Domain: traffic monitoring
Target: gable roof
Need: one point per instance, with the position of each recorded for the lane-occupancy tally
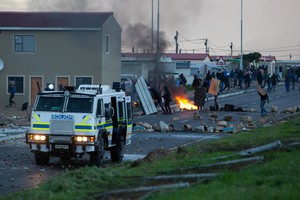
(52, 20)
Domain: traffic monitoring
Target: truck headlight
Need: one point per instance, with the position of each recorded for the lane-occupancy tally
(81, 139)
(84, 138)
(36, 137)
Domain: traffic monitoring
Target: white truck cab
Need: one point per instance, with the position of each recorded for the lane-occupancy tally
(91, 120)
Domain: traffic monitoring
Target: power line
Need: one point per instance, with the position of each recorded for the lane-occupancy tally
(228, 45)
(191, 41)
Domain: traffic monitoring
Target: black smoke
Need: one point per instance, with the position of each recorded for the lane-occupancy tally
(135, 17)
(139, 36)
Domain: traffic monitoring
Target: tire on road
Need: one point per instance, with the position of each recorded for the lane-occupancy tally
(96, 157)
(117, 152)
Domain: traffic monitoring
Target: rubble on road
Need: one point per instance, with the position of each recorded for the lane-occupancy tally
(13, 123)
(274, 109)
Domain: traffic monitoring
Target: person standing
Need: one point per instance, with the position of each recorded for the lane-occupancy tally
(208, 78)
(260, 77)
(196, 82)
(183, 80)
(274, 81)
(287, 82)
(200, 95)
(167, 100)
(292, 78)
(12, 91)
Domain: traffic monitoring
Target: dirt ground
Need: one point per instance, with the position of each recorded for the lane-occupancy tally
(13, 116)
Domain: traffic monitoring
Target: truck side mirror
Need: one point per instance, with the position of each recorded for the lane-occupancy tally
(109, 112)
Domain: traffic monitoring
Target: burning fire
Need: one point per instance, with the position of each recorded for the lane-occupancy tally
(184, 103)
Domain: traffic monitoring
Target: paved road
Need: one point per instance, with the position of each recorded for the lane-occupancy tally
(18, 170)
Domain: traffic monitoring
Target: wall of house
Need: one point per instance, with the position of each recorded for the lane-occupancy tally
(58, 53)
(111, 61)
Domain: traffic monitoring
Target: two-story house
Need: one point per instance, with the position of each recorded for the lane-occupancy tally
(63, 48)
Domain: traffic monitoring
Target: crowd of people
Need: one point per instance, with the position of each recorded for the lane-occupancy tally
(236, 78)
(243, 79)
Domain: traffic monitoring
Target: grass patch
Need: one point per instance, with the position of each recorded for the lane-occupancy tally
(278, 177)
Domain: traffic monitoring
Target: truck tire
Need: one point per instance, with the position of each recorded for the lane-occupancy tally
(117, 152)
(96, 158)
(41, 158)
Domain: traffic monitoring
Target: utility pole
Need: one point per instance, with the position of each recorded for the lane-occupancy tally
(176, 41)
(241, 60)
(206, 49)
(152, 28)
(231, 46)
(157, 40)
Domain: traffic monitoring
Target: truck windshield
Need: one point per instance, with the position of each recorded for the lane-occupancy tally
(46, 103)
(80, 105)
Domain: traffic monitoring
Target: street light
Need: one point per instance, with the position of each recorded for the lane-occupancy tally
(241, 60)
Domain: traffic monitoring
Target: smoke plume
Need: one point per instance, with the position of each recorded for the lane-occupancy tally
(134, 16)
(139, 35)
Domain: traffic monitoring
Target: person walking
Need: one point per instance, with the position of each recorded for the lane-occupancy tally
(12, 91)
(263, 99)
(240, 78)
(167, 100)
(226, 81)
(269, 82)
(157, 97)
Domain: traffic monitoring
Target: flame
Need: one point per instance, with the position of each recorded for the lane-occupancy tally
(184, 103)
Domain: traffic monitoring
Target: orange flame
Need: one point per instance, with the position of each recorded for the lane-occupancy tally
(184, 103)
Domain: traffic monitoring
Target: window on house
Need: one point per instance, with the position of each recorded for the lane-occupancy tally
(83, 80)
(18, 81)
(24, 43)
(107, 44)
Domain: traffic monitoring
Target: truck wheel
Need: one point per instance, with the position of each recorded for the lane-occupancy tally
(96, 157)
(117, 152)
(41, 158)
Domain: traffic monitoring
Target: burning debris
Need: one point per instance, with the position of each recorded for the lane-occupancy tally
(186, 104)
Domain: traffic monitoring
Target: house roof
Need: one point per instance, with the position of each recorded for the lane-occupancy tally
(217, 57)
(187, 56)
(173, 56)
(267, 58)
(42, 20)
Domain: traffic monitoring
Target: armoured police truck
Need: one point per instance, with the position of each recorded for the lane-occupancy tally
(71, 123)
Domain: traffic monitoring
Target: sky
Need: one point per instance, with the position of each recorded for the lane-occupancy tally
(270, 27)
